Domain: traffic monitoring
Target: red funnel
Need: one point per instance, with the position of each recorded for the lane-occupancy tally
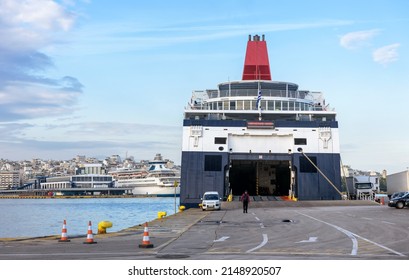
(256, 64)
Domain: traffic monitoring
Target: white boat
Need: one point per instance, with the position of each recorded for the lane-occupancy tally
(158, 180)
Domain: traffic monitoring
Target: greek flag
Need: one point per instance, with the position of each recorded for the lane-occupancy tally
(258, 105)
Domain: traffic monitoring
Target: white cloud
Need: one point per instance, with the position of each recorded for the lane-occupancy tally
(124, 36)
(386, 54)
(32, 100)
(63, 141)
(31, 24)
(358, 39)
(38, 14)
(25, 92)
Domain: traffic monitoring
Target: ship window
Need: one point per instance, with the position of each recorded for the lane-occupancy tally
(278, 105)
(306, 166)
(232, 105)
(270, 105)
(285, 105)
(297, 106)
(213, 163)
(220, 140)
(247, 105)
(226, 105)
(263, 104)
(239, 104)
(291, 103)
(300, 141)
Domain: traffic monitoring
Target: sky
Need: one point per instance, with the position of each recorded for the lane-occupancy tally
(101, 78)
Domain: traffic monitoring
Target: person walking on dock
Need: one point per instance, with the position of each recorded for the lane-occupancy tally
(245, 198)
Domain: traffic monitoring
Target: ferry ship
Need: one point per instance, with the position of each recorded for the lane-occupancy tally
(158, 180)
(264, 136)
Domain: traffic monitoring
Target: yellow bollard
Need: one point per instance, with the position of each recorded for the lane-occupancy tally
(161, 214)
(103, 225)
(182, 208)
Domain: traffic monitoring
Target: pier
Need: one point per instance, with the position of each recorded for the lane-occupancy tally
(283, 230)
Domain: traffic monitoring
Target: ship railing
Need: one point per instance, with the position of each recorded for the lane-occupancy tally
(254, 92)
(289, 106)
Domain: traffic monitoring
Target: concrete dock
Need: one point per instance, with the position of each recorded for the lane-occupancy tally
(286, 230)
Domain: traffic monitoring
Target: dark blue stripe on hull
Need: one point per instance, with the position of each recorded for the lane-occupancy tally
(309, 184)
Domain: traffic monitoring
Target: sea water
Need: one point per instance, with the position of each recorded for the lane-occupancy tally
(45, 217)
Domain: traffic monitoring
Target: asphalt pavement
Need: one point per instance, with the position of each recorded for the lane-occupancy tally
(283, 230)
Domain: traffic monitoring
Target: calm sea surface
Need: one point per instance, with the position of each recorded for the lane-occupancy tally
(44, 217)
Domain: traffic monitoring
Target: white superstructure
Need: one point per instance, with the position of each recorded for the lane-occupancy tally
(157, 180)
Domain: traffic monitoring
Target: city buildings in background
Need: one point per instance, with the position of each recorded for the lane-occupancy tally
(16, 174)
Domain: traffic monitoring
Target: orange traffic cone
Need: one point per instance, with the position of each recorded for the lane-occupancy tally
(90, 236)
(64, 236)
(145, 240)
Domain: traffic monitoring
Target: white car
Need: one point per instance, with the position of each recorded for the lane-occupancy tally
(211, 200)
